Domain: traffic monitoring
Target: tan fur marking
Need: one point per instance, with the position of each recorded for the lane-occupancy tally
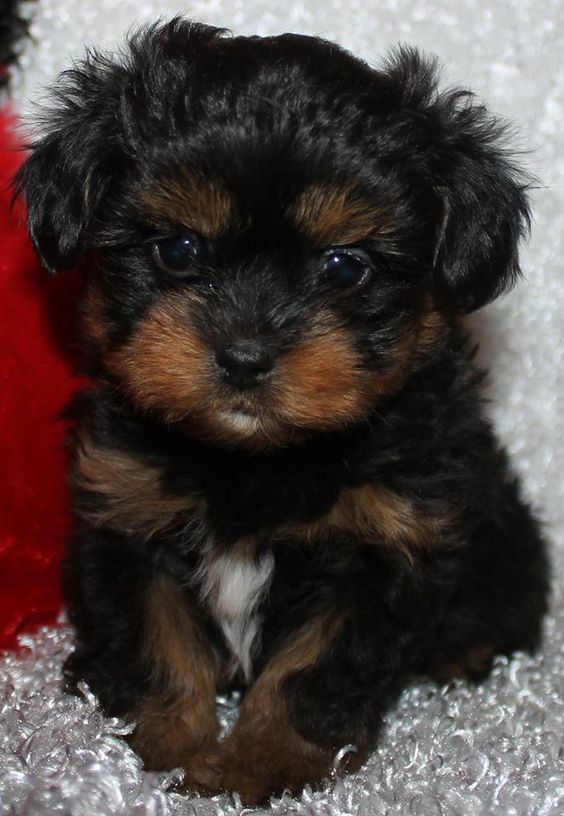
(323, 384)
(134, 500)
(172, 728)
(333, 216)
(419, 339)
(201, 204)
(433, 325)
(93, 317)
(166, 365)
(374, 510)
(174, 644)
(265, 754)
(320, 383)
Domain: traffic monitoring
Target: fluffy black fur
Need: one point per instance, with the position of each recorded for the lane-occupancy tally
(270, 118)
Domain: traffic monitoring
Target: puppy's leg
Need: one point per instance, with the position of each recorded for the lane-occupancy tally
(500, 592)
(325, 689)
(266, 753)
(143, 650)
(176, 720)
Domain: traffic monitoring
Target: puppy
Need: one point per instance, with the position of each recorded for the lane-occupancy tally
(284, 479)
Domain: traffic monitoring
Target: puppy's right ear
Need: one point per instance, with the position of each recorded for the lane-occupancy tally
(68, 171)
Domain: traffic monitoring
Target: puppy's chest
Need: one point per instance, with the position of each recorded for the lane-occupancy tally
(232, 585)
(136, 497)
(217, 522)
(249, 505)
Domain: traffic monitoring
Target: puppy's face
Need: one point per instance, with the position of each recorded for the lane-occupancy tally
(258, 299)
(281, 230)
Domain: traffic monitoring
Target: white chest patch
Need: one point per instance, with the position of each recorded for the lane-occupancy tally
(233, 587)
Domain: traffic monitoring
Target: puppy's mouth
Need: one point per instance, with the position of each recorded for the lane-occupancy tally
(242, 421)
(252, 421)
(241, 412)
(245, 415)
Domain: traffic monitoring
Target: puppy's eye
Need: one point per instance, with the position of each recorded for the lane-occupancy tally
(176, 255)
(343, 270)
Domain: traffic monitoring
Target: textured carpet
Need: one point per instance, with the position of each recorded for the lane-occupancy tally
(456, 751)
(497, 749)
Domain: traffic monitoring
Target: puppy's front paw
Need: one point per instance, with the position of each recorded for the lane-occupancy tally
(258, 771)
(204, 773)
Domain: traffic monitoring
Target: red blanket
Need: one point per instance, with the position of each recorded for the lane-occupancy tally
(36, 382)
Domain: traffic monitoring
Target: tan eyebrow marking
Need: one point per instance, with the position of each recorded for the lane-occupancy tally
(202, 204)
(337, 215)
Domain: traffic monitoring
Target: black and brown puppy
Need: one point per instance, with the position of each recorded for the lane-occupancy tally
(284, 477)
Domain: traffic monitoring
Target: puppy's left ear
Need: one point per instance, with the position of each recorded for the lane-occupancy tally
(484, 206)
(69, 168)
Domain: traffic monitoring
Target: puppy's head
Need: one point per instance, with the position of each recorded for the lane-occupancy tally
(280, 230)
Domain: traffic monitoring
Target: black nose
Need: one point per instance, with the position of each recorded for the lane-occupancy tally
(244, 363)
